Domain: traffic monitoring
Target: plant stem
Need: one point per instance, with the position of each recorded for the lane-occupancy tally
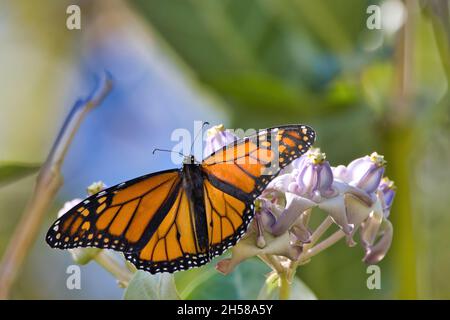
(308, 254)
(400, 145)
(321, 229)
(317, 234)
(285, 286)
(47, 185)
(110, 264)
(272, 262)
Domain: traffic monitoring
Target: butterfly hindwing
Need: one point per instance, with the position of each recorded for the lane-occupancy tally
(228, 214)
(174, 245)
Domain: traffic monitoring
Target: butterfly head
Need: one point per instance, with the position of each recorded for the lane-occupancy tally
(190, 159)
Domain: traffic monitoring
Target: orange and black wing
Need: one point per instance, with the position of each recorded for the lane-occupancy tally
(174, 245)
(236, 174)
(122, 217)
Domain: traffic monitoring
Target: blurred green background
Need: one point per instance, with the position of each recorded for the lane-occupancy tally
(247, 64)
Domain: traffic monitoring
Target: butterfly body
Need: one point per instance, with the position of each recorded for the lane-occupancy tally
(193, 184)
(181, 218)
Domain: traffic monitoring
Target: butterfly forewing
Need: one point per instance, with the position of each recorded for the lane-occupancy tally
(236, 174)
(117, 217)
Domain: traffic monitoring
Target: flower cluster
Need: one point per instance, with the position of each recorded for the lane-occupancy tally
(356, 198)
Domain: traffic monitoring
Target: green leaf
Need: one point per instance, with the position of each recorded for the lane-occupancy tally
(299, 291)
(243, 283)
(145, 286)
(377, 82)
(11, 171)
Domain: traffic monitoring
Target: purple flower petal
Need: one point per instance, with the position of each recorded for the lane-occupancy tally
(336, 208)
(341, 173)
(280, 183)
(295, 206)
(376, 253)
(315, 177)
(217, 138)
(387, 189)
(366, 173)
(369, 228)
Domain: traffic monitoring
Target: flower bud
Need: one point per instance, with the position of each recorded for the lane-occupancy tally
(217, 138)
(366, 173)
(315, 177)
(96, 187)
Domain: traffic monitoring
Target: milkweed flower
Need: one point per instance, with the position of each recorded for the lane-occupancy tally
(216, 138)
(313, 177)
(356, 198)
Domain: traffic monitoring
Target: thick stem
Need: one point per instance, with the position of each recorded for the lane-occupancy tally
(110, 264)
(399, 147)
(285, 286)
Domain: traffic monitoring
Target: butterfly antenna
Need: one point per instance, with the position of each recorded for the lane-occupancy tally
(166, 150)
(206, 123)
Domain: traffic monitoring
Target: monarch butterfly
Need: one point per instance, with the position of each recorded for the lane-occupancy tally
(181, 218)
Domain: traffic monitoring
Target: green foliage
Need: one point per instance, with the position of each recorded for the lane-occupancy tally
(145, 286)
(13, 171)
(243, 283)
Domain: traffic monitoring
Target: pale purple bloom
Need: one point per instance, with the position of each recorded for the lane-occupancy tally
(314, 178)
(364, 173)
(217, 137)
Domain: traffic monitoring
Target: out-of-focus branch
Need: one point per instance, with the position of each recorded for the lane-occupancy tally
(398, 139)
(439, 16)
(47, 185)
(438, 11)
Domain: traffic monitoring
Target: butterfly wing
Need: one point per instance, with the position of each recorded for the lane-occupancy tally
(236, 174)
(174, 245)
(122, 217)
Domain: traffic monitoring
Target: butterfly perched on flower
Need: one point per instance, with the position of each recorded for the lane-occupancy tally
(181, 218)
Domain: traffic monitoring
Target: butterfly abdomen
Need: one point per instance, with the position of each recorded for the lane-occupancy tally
(193, 184)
